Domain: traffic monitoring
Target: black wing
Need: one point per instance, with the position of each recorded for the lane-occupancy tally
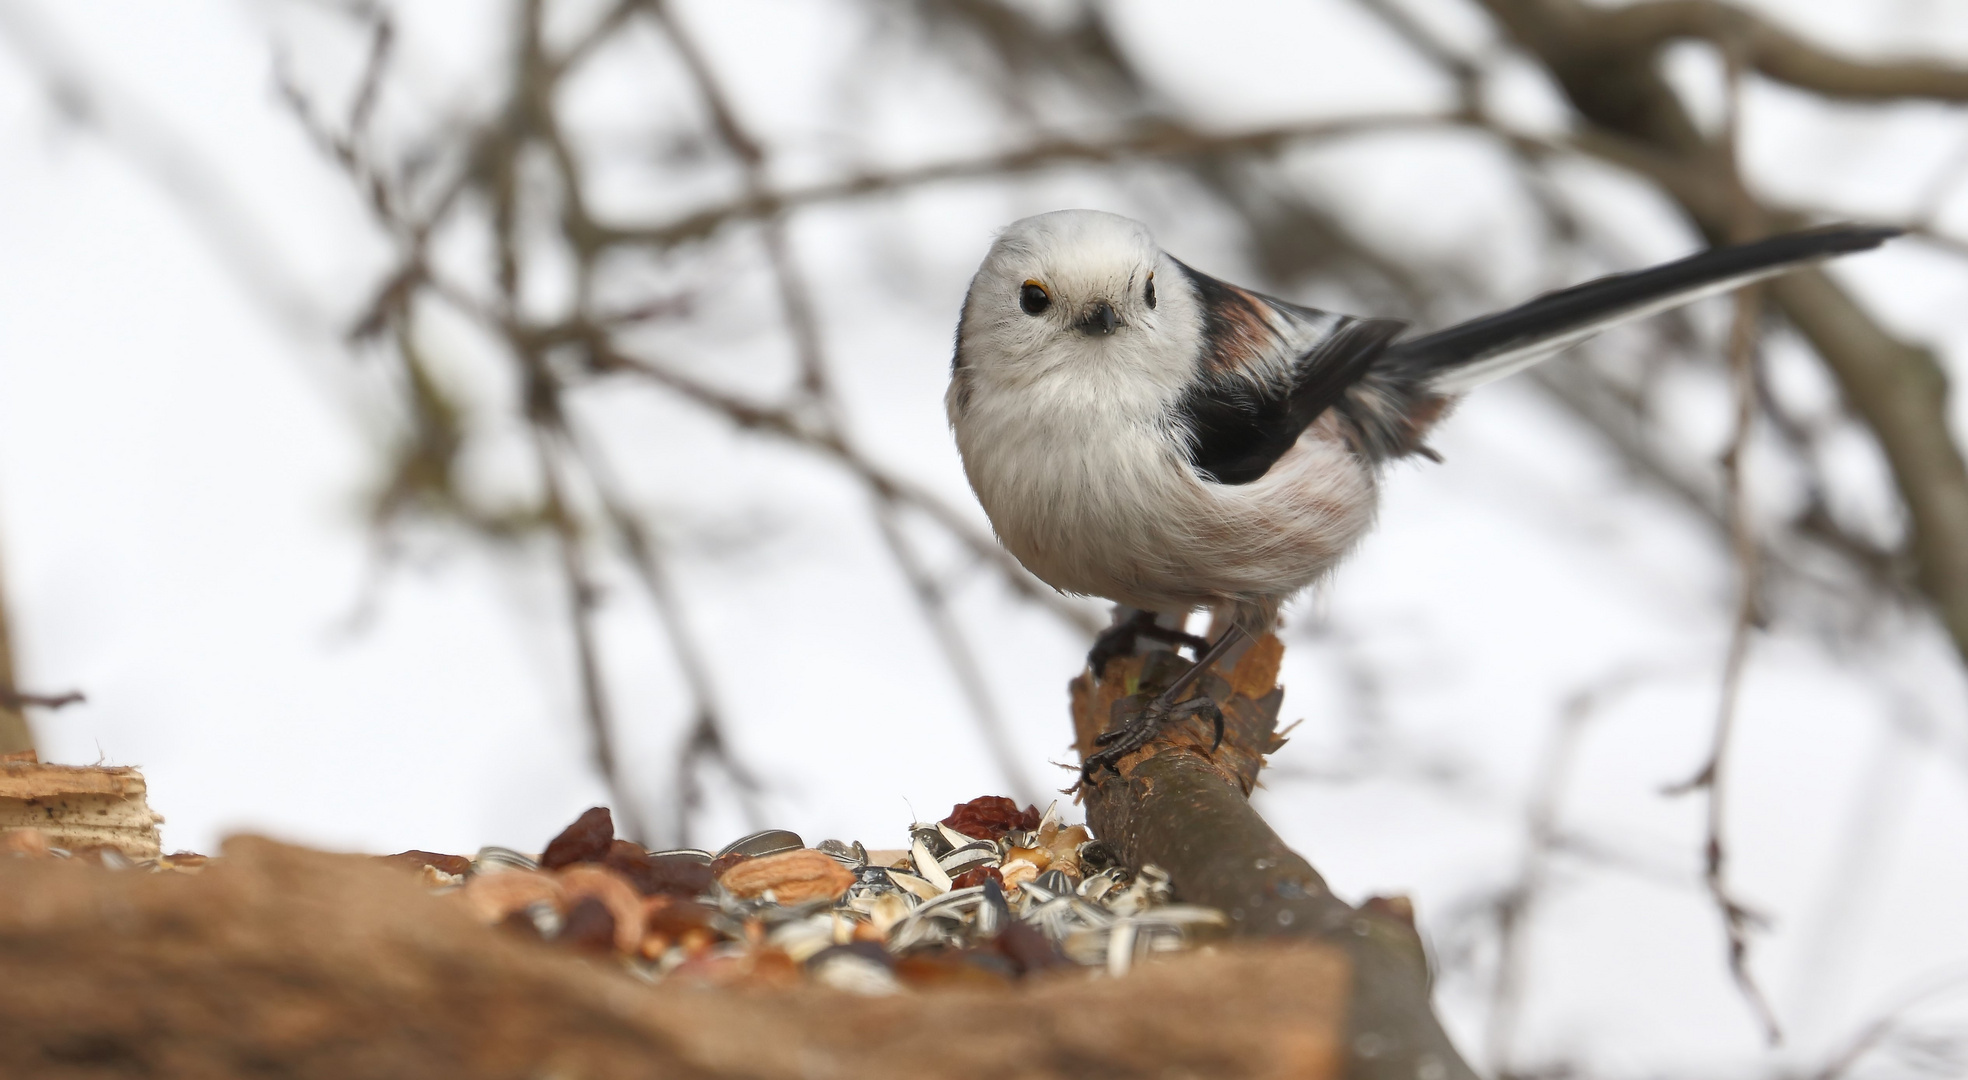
(1271, 368)
(1268, 370)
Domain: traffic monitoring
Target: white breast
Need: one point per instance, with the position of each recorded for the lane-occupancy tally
(1084, 482)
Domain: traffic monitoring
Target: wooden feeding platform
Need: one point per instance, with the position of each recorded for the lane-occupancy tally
(1181, 939)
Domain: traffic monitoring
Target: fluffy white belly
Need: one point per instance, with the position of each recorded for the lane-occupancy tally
(1129, 520)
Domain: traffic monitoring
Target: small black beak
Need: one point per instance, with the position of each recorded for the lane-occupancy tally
(1100, 321)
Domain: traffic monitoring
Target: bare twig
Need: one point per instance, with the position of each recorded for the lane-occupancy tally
(706, 739)
(18, 699)
(582, 602)
(817, 399)
(1160, 140)
(1543, 839)
(1710, 779)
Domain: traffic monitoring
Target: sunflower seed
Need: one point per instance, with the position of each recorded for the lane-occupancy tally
(764, 842)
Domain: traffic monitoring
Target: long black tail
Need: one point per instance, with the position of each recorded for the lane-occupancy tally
(1465, 356)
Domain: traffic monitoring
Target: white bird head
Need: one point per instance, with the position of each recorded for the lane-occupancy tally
(1080, 295)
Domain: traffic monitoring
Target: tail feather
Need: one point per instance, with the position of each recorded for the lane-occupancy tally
(1465, 356)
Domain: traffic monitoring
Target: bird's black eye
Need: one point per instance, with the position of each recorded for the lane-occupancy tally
(1150, 294)
(1033, 298)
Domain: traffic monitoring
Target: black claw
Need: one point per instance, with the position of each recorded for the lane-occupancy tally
(1123, 741)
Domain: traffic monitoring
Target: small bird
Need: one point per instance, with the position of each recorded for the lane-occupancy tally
(1140, 431)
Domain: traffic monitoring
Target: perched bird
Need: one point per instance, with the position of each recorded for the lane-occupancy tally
(1140, 431)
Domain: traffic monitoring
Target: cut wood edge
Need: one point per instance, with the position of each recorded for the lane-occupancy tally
(79, 806)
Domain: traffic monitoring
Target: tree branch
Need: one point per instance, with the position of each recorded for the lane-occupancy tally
(1899, 390)
(1159, 140)
(1182, 805)
(1778, 53)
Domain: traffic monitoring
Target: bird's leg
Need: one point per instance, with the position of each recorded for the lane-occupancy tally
(1155, 631)
(1146, 723)
(1121, 638)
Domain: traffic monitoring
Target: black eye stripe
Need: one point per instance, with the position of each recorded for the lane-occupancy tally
(1032, 298)
(1150, 294)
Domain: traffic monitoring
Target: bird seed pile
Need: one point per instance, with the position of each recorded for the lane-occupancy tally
(989, 894)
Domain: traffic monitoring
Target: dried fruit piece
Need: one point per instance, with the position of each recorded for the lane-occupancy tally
(590, 927)
(1028, 949)
(624, 904)
(677, 919)
(676, 875)
(586, 840)
(990, 817)
(523, 924)
(725, 862)
(977, 876)
(416, 860)
(793, 877)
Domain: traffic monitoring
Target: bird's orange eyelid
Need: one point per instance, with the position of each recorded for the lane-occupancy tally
(1039, 285)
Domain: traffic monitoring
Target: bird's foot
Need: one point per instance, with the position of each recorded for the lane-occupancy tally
(1140, 730)
(1121, 639)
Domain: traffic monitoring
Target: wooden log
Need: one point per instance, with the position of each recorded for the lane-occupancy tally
(275, 961)
(78, 806)
(1179, 805)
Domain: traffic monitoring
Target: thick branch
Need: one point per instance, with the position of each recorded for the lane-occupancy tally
(1779, 54)
(1902, 393)
(1183, 807)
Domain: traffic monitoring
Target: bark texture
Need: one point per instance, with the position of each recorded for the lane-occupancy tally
(1179, 805)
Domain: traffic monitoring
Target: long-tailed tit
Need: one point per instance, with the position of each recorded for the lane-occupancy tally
(1140, 431)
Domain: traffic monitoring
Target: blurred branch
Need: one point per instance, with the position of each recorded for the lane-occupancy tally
(1635, 120)
(1710, 779)
(1773, 51)
(817, 389)
(1543, 839)
(1157, 139)
(705, 739)
(884, 484)
(583, 600)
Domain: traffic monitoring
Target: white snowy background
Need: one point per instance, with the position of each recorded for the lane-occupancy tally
(183, 455)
